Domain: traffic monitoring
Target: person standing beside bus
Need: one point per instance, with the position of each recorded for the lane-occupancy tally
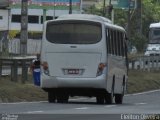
(35, 68)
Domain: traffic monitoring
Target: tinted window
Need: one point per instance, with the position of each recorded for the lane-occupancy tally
(1, 17)
(33, 19)
(71, 32)
(16, 18)
(47, 18)
(155, 35)
(118, 43)
(115, 42)
(109, 49)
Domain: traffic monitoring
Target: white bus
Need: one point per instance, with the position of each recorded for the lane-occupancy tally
(83, 55)
(153, 47)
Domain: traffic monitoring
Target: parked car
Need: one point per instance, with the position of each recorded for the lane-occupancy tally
(152, 50)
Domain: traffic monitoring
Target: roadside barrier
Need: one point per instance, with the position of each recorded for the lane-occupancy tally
(14, 63)
(145, 63)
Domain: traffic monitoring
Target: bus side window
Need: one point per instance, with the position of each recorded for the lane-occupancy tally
(116, 44)
(119, 43)
(113, 42)
(107, 39)
(109, 44)
(126, 48)
(123, 44)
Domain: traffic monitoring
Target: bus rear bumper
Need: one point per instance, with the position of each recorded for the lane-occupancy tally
(59, 82)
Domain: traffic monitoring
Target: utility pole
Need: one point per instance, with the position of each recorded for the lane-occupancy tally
(24, 27)
(70, 6)
(139, 16)
(54, 10)
(128, 24)
(24, 36)
(110, 11)
(44, 15)
(104, 7)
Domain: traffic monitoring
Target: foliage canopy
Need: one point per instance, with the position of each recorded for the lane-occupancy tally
(150, 13)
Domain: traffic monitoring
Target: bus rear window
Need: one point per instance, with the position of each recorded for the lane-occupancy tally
(73, 32)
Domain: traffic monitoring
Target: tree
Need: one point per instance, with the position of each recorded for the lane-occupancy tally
(150, 14)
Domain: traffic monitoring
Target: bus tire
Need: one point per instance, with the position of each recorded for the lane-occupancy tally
(51, 97)
(118, 98)
(100, 99)
(109, 96)
(62, 99)
(62, 96)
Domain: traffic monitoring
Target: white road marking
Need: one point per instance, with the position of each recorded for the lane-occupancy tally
(32, 112)
(82, 108)
(109, 106)
(15, 103)
(84, 98)
(143, 92)
(140, 103)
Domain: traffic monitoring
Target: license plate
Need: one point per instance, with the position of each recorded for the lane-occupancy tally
(73, 71)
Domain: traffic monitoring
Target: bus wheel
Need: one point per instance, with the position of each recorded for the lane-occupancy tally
(100, 99)
(62, 99)
(62, 96)
(109, 98)
(118, 98)
(51, 97)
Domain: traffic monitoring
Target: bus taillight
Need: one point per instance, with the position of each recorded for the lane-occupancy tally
(101, 68)
(45, 67)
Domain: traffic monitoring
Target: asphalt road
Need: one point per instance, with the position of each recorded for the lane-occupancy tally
(135, 106)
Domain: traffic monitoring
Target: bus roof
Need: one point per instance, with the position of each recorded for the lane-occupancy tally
(155, 25)
(89, 17)
(86, 17)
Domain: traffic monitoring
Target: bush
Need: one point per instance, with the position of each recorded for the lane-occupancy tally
(13, 34)
(139, 41)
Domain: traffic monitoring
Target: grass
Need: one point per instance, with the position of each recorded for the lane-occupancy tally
(17, 92)
(138, 81)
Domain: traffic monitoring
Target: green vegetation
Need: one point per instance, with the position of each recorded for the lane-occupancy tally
(31, 34)
(150, 14)
(13, 34)
(138, 37)
(140, 81)
(15, 92)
